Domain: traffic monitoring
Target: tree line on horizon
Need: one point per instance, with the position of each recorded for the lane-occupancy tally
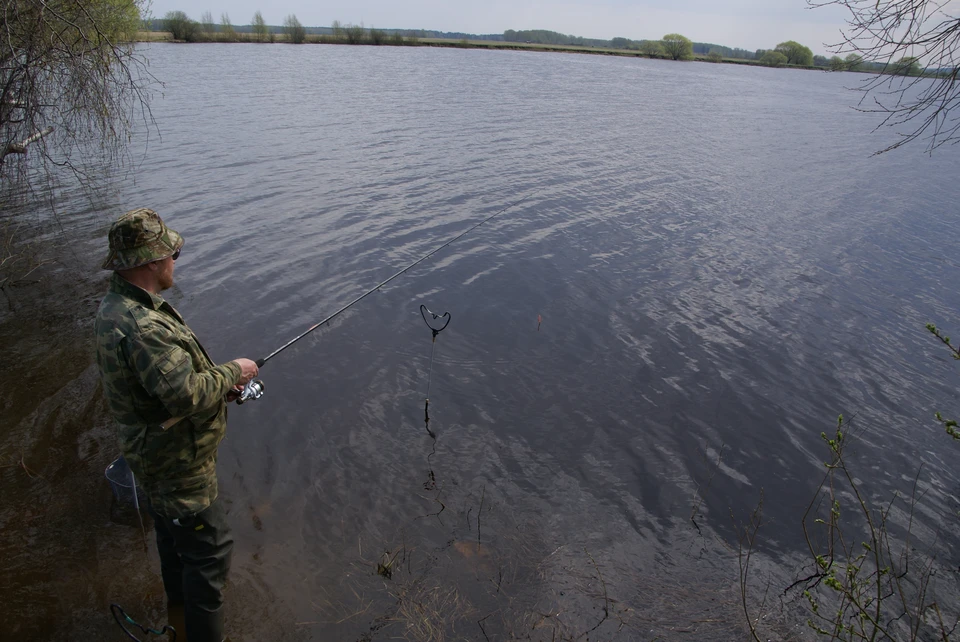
(182, 27)
(678, 47)
(672, 46)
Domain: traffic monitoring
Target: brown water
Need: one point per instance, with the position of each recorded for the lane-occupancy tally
(719, 266)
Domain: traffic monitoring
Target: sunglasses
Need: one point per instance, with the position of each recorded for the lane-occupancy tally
(175, 255)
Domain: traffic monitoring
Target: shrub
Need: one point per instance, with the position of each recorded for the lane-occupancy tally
(377, 36)
(181, 26)
(652, 48)
(259, 27)
(227, 32)
(354, 34)
(677, 47)
(773, 59)
(296, 34)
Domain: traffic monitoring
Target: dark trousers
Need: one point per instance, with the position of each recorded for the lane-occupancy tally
(195, 556)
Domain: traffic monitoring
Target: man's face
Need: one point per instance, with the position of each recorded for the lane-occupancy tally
(165, 273)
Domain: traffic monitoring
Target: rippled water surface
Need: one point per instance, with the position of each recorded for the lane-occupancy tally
(720, 266)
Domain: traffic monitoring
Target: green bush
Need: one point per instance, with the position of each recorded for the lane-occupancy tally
(677, 47)
(795, 53)
(377, 36)
(773, 59)
(354, 34)
(295, 31)
(181, 26)
(652, 48)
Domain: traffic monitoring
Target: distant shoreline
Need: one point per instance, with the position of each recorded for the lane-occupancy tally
(163, 36)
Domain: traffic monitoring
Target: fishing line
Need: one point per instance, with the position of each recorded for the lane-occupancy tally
(254, 389)
(136, 505)
(431, 483)
(437, 318)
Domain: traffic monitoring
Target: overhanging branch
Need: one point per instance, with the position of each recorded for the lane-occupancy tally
(21, 147)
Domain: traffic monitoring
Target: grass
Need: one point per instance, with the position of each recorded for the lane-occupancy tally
(154, 36)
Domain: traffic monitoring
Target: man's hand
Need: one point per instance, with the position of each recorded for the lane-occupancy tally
(234, 393)
(248, 370)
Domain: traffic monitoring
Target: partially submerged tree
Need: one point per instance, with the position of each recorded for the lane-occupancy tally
(887, 31)
(677, 47)
(71, 85)
(69, 77)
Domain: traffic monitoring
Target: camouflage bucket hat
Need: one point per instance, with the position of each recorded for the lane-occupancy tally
(140, 237)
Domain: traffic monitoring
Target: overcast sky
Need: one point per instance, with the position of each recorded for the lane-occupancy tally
(750, 24)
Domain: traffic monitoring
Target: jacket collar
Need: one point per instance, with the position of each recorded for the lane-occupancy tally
(121, 286)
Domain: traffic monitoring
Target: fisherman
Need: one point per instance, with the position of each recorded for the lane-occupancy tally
(170, 402)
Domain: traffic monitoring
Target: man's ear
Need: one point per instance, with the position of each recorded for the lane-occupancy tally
(153, 266)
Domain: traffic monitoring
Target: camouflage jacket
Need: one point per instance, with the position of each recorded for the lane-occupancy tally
(153, 368)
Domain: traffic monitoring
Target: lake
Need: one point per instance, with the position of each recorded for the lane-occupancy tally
(703, 266)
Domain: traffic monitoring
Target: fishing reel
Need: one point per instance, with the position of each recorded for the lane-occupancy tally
(251, 392)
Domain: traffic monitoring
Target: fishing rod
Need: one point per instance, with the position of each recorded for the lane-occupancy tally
(254, 389)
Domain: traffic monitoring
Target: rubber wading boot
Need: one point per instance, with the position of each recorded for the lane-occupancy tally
(175, 618)
(204, 626)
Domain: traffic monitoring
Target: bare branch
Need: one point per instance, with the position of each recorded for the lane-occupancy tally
(68, 71)
(913, 45)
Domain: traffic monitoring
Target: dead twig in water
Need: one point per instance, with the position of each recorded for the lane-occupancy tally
(749, 535)
(480, 624)
(20, 463)
(436, 499)
(341, 613)
(483, 494)
(699, 496)
(606, 598)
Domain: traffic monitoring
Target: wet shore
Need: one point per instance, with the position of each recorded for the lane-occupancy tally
(69, 549)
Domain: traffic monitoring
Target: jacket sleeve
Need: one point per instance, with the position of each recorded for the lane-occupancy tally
(166, 372)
